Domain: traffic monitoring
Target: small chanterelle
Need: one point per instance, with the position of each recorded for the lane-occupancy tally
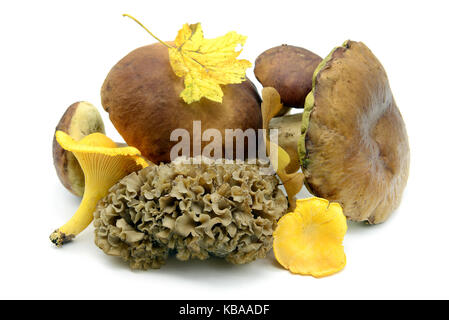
(225, 309)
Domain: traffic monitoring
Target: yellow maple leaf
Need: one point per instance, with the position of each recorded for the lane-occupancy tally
(205, 64)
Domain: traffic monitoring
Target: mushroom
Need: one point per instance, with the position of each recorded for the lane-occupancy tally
(280, 159)
(141, 95)
(194, 209)
(309, 240)
(103, 164)
(289, 132)
(289, 70)
(78, 121)
(353, 144)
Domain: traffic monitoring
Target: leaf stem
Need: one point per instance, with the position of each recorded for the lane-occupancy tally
(140, 24)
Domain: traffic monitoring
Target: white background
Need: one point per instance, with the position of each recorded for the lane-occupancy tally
(53, 53)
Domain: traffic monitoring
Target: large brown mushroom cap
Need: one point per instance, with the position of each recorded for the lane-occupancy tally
(354, 146)
(141, 95)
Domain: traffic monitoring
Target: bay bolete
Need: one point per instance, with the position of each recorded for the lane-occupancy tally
(353, 144)
(141, 93)
(288, 69)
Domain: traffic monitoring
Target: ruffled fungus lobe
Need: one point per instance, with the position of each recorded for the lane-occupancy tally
(103, 165)
(193, 210)
(309, 240)
(354, 146)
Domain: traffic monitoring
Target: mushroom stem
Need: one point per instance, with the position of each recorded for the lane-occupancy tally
(289, 129)
(81, 219)
(103, 164)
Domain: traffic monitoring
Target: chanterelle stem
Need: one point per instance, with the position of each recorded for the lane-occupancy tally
(80, 220)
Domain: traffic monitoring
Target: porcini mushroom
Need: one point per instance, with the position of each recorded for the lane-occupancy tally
(141, 95)
(78, 121)
(103, 164)
(352, 141)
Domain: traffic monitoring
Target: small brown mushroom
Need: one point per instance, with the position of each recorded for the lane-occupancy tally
(289, 70)
(79, 120)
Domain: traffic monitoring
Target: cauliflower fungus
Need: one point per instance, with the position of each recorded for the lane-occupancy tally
(192, 210)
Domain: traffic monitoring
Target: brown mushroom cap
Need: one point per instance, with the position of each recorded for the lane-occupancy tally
(354, 146)
(79, 120)
(289, 70)
(141, 95)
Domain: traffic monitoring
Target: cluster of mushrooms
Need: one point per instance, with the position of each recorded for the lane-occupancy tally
(349, 142)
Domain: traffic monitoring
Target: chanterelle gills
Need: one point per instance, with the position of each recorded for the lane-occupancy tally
(103, 164)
